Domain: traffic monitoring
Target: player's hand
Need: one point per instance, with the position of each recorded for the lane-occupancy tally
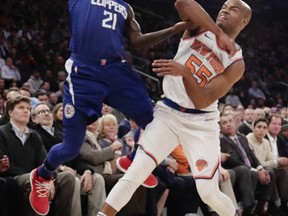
(4, 164)
(226, 43)
(170, 67)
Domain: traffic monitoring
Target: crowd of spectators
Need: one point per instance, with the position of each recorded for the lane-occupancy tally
(35, 36)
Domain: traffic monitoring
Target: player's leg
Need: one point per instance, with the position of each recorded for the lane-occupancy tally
(40, 178)
(80, 103)
(158, 141)
(134, 102)
(200, 141)
(129, 95)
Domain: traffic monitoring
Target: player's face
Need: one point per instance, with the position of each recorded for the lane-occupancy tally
(231, 15)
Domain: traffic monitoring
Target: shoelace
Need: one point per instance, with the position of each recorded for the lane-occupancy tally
(43, 189)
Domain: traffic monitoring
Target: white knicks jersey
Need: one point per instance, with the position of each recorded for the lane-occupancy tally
(202, 55)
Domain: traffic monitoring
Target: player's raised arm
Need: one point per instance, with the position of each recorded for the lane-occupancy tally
(191, 10)
(139, 40)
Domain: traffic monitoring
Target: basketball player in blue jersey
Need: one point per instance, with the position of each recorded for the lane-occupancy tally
(200, 73)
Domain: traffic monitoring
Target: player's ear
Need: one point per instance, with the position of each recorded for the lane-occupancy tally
(244, 22)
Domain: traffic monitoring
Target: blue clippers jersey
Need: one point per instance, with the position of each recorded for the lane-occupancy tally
(98, 28)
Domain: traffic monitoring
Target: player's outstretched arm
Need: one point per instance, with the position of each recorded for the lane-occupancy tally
(139, 40)
(201, 97)
(192, 11)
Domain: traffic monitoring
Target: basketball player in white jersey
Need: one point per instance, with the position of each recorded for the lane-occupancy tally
(193, 82)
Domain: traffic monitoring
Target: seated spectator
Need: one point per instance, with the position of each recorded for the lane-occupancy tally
(2, 106)
(259, 113)
(245, 164)
(262, 150)
(10, 194)
(284, 133)
(246, 126)
(35, 81)
(42, 96)
(240, 109)
(267, 111)
(49, 77)
(100, 159)
(26, 151)
(107, 134)
(255, 92)
(57, 113)
(11, 93)
(232, 98)
(284, 113)
(182, 197)
(53, 98)
(9, 72)
(280, 153)
(25, 91)
(60, 92)
(2, 82)
(45, 86)
(87, 182)
(228, 108)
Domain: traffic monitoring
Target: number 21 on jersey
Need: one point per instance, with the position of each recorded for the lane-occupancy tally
(110, 20)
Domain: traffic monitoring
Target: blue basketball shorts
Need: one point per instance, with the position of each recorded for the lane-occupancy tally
(89, 85)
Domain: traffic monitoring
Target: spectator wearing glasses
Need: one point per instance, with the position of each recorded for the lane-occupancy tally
(87, 181)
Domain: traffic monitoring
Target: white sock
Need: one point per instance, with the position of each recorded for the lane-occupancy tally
(101, 214)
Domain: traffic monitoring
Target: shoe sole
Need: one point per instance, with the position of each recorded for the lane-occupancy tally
(124, 171)
(119, 167)
(31, 202)
(149, 186)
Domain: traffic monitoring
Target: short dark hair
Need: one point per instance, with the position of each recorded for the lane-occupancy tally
(275, 115)
(11, 103)
(25, 89)
(40, 92)
(16, 89)
(260, 120)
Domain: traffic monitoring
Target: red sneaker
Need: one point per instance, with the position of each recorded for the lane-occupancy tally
(123, 163)
(39, 194)
(150, 182)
